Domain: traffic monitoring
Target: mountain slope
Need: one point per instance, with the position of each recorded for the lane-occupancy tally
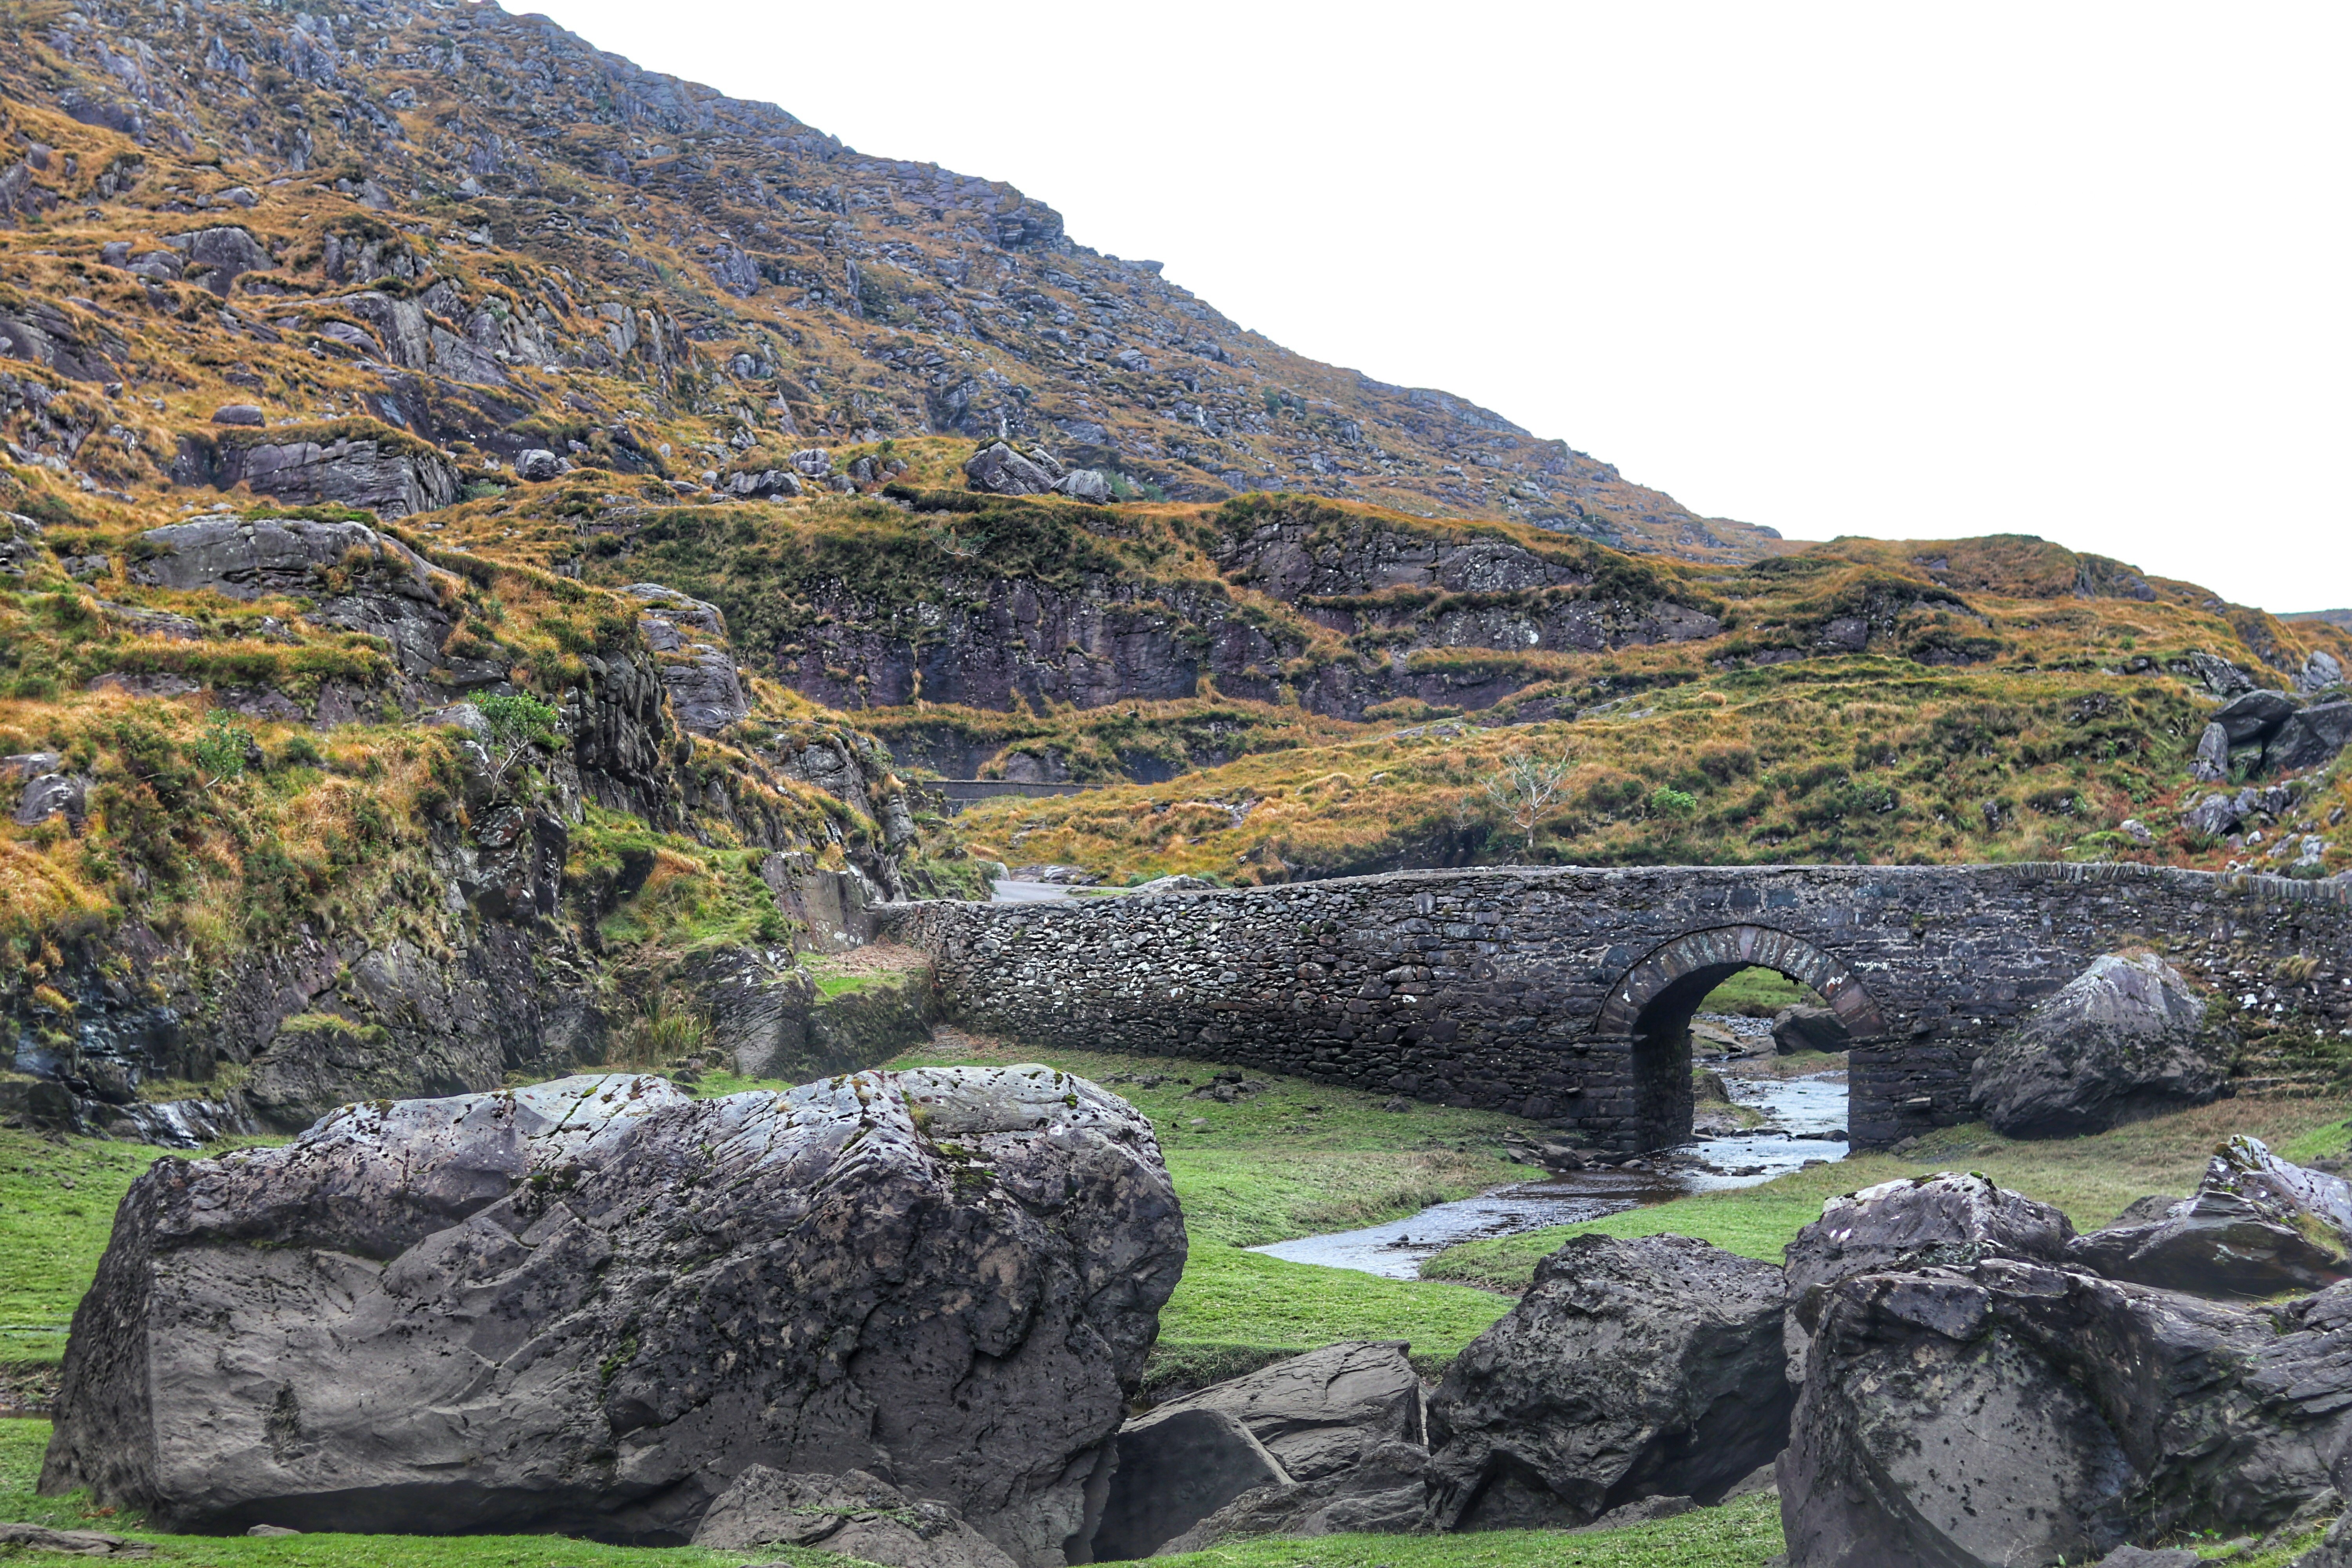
(520, 239)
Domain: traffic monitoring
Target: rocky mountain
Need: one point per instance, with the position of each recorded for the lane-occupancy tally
(476, 229)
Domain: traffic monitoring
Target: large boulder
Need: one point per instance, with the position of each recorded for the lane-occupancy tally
(2126, 1038)
(1805, 1028)
(2254, 716)
(588, 1306)
(1644, 1368)
(2010, 1412)
(1948, 1219)
(2255, 1227)
(2320, 672)
(853, 1515)
(2309, 739)
(998, 469)
(1343, 1426)
(1088, 485)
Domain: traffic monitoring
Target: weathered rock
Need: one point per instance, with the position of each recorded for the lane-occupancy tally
(217, 258)
(384, 475)
(697, 665)
(1318, 1413)
(238, 413)
(1948, 1219)
(2212, 817)
(1178, 883)
(536, 464)
(2321, 672)
(1807, 1028)
(2255, 1227)
(999, 471)
(1174, 1469)
(77, 1542)
(388, 589)
(1087, 485)
(1344, 1424)
(2254, 716)
(1630, 1369)
(2008, 1413)
(2220, 677)
(765, 484)
(1382, 1493)
(588, 1305)
(53, 793)
(2213, 764)
(2309, 739)
(2126, 1038)
(814, 462)
(853, 1515)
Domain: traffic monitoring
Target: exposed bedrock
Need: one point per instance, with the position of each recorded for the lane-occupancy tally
(589, 1306)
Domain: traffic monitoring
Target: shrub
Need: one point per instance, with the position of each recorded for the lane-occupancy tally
(1668, 801)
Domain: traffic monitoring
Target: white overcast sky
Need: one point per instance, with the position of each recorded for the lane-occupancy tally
(1907, 270)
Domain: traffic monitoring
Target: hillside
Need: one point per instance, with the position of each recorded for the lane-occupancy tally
(489, 572)
(475, 228)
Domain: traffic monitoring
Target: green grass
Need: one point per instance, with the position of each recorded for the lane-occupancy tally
(52, 1233)
(2092, 1179)
(1757, 994)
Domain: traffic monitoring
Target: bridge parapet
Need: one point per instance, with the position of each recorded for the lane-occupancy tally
(1564, 993)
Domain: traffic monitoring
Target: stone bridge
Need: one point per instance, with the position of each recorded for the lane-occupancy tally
(1566, 995)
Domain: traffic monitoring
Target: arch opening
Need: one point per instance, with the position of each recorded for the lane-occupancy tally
(1652, 1007)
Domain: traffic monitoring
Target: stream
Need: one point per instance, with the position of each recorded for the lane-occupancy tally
(1801, 1114)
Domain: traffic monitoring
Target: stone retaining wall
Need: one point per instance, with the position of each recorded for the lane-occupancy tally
(1564, 994)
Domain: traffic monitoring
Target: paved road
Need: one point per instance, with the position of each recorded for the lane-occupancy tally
(1012, 893)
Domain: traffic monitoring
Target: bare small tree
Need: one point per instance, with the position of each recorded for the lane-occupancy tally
(1525, 788)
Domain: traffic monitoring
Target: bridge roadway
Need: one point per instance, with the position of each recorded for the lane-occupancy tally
(1566, 993)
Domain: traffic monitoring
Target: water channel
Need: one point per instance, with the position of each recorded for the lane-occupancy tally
(1804, 1121)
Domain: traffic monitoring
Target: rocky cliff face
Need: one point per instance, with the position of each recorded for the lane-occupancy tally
(480, 953)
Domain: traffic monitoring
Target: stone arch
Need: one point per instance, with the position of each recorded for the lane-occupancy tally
(1651, 1008)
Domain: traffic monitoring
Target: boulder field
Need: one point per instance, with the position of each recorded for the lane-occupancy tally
(900, 1317)
(595, 1304)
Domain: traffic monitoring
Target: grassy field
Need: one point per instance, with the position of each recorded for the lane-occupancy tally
(2092, 1179)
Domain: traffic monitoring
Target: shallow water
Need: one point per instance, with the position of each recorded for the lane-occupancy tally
(1798, 1107)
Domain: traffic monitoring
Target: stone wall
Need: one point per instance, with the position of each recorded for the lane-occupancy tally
(1564, 994)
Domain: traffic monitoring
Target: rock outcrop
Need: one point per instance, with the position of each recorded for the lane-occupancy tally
(362, 580)
(2126, 1038)
(385, 473)
(1630, 1369)
(2004, 1412)
(590, 1305)
(2256, 1227)
(697, 664)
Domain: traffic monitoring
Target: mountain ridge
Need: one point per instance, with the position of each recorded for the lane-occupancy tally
(818, 284)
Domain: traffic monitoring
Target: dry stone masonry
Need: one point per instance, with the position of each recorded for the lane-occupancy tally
(1565, 994)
